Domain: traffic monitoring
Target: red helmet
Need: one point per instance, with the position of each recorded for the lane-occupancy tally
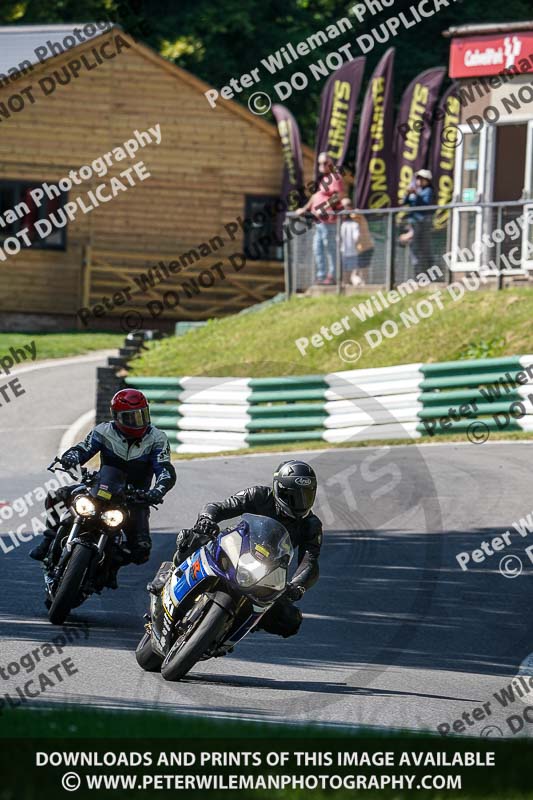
(130, 412)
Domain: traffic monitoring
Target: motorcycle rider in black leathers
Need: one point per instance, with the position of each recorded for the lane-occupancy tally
(289, 501)
(133, 445)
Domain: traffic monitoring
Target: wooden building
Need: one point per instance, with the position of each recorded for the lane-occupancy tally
(212, 167)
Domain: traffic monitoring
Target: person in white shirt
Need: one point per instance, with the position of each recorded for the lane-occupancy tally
(357, 246)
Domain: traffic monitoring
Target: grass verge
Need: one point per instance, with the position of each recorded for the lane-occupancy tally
(61, 345)
(481, 324)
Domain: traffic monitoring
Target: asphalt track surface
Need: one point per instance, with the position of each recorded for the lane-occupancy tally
(394, 634)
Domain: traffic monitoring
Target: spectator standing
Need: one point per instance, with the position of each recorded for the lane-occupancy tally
(349, 241)
(419, 195)
(323, 204)
(357, 246)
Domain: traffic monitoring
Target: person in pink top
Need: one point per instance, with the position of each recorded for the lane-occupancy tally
(323, 204)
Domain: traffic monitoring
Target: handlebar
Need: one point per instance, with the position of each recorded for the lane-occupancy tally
(133, 496)
(86, 475)
(138, 497)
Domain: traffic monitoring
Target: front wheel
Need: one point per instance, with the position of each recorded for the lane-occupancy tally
(146, 658)
(189, 648)
(70, 584)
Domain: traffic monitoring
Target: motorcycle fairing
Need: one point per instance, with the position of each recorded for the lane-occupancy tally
(189, 574)
(162, 622)
(196, 568)
(245, 628)
(218, 559)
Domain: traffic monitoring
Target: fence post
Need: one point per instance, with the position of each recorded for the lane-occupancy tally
(338, 265)
(449, 246)
(85, 284)
(499, 225)
(108, 383)
(286, 261)
(390, 250)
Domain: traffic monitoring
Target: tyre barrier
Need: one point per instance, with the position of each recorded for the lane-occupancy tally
(210, 415)
(495, 391)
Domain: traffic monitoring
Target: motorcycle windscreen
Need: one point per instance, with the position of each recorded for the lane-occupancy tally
(269, 539)
(264, 568)
(110, 482)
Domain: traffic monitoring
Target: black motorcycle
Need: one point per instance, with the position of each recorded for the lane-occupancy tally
(90, 539)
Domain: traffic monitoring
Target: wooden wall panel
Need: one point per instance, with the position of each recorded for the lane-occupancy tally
(208, 160)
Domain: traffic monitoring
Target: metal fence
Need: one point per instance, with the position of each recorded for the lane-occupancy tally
(493, 238)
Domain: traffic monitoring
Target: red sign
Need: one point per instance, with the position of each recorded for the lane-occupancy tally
(474, 56)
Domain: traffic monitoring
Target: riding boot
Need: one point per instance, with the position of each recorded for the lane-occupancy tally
(40, 551)
(120, 556)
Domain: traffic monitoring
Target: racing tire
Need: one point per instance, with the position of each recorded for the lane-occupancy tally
(67, 595)
(146, 658)
(182, 656)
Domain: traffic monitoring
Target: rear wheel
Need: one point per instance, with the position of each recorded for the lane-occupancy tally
(146, 658)
(67, 595)
(191, 646)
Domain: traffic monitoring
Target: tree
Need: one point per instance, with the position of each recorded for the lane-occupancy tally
(218, 41)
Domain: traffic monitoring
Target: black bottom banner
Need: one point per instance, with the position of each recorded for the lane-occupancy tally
(384, 766)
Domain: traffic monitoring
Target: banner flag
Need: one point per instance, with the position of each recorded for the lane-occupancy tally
(338, 103)
(375, 172)
(292, 190)
(445, 140)
(413, 127)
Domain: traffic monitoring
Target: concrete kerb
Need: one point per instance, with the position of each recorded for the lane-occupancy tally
(78, 430)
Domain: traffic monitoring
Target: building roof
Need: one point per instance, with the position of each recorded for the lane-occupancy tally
(187, 77)
(489, 27)
(13, 50)
(18, 43)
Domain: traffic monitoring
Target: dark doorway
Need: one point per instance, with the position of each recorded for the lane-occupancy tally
(509, 179)
(511, 143)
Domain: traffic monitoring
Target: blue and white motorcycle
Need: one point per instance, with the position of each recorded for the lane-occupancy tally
(215, 597)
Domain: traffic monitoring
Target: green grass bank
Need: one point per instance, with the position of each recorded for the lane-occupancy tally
(481, 324)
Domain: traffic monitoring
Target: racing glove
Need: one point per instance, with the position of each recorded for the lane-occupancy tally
(70, 459)
(154, 496)
(293, 592)
(206, 527)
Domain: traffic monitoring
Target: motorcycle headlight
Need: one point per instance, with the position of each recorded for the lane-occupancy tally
(84, 506)
(245, 577)
(113, 518)
(249, 571)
